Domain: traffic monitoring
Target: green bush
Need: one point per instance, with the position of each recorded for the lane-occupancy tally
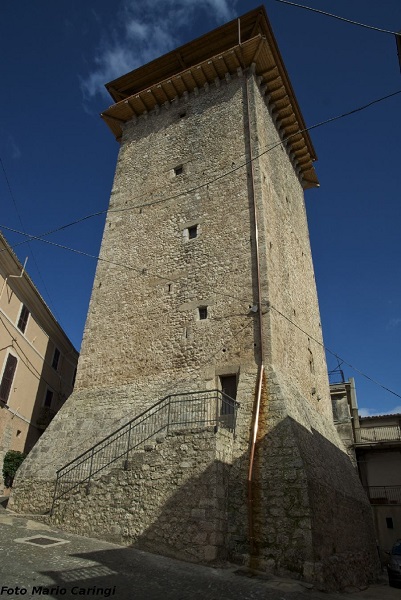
(12, 461)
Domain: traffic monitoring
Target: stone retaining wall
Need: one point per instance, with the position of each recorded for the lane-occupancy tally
(172, 499)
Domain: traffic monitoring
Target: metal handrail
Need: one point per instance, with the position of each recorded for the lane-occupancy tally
(384, 494)
(176, 411)
(378, 433)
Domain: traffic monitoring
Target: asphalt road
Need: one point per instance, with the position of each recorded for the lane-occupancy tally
(37, 560)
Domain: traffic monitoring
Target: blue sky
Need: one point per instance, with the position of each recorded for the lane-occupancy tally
(60, 157)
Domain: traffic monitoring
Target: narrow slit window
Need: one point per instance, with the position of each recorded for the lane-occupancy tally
(311, 362)
(23, 318)
(178, 170)
(192, 232)
(202, 313)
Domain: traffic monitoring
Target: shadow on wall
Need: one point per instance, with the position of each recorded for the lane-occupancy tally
(312, 519)
(42, 413)
(342, 533)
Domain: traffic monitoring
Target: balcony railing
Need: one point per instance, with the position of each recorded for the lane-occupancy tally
(367, 435)
(175, 412)
(384, 494)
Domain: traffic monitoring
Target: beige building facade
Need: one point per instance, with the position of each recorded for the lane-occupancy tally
(37, 360)
(206, 291)
(374, 444)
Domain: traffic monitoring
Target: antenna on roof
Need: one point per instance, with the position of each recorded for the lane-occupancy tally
(339, 370)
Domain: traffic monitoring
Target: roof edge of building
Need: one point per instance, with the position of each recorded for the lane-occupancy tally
(246, 42)
(31, 287)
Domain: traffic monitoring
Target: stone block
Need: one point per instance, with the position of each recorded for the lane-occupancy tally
(210, 553)
(198, 513)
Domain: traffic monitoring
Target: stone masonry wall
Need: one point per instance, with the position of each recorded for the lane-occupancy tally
(292, 320)
(144, 339)
(172, 499)
(154, 326)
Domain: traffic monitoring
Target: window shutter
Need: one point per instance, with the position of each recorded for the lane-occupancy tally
(8, 377)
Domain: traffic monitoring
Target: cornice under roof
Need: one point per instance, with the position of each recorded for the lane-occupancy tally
(240, 44)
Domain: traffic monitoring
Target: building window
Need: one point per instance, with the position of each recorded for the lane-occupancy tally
(48, 398)
(178, 170)
(389, 523)
(23, 318)
(192, 232)
(228, 385)
(56, 359)
(311, 362)
(202, 312)
(8, 376)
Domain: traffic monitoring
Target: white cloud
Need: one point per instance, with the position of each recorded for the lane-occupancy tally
(393, 323)
(372, 412)
(145, 30)
(137, 31)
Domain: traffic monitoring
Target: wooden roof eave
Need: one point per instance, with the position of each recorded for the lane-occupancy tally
(284, 106)
(191, 53)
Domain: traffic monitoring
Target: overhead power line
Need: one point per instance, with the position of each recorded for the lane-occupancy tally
(339, 358)
(327, 14)
(139, 270)
(246, 163)
(23, 228)
(26, 360)
(202, 185)
(186, 192)
(269, 305)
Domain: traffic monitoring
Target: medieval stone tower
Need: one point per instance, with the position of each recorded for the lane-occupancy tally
(206, 283)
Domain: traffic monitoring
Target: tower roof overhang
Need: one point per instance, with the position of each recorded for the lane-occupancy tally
(240, 44)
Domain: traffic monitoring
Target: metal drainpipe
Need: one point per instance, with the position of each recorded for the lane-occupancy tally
(255, 419)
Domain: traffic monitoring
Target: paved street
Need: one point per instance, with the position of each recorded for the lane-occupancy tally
(73, 566)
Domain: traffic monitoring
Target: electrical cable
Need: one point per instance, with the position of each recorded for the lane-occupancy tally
(222, 176)
(233, 297)
(246, 163)
(281, 142)
(338, 357)
(23, 228)
(61, 228)
(29, 364)
(141, 271)
(327, 14)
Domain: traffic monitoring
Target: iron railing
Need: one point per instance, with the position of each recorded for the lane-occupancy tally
(177, 411)
(384, 494)
(366, 435)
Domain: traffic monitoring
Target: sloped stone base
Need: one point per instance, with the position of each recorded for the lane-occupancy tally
(188, 497)
(311, 516)
(171, 499)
